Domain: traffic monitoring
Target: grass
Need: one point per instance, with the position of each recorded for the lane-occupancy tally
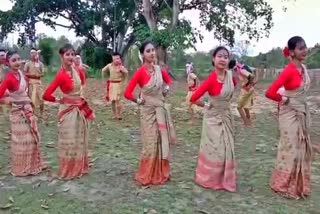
(110, 188)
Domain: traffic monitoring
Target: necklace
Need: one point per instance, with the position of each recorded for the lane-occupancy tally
(221, 77)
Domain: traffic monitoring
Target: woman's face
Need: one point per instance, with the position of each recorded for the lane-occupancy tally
(77, 61)
(149, 54)
(15, 62)
(300, 52)
(221, 59)
(2, 57)
(68, 57)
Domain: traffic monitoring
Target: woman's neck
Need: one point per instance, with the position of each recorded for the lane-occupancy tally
(148, 65)
(297, 63)
(67, 67)
(220, 71)
(15, 71)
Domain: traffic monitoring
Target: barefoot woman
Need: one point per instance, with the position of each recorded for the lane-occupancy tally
(291, 176)
(155, 123)
(25, 138)
(216, 167)
(73, 115)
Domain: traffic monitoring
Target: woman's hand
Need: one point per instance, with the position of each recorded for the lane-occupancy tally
(140, 101)
(166, 90)
(285, 100)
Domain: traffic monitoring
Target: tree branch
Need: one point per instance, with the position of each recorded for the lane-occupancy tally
(175, 13)
(194, 4)
(148, 15)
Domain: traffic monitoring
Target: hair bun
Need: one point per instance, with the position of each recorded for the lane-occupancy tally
(286, 52)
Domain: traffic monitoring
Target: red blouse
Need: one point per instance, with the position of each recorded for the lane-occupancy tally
(142, 77)
(10, 83)
(290, 78)
(64, 81)
(210, 85)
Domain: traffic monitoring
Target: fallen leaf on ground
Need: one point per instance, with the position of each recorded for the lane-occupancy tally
(7, 206)
(11, 199)
(44, 206)
(66, 189)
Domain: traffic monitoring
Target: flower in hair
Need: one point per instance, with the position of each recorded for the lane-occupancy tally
(286, 52)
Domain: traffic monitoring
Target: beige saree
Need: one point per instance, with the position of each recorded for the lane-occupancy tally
(35, 89)
(292, 172)
(26, 157)
(157, 133)
(216, 168)
(73, 132)
(192, 87)
(246, 93)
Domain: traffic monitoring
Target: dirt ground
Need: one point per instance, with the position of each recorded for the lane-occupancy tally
(110, 188)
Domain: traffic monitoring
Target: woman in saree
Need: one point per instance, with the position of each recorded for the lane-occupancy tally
(156, 126)
(193, 83)
(216, 168)
(245, 101)
(25, 151)
(291, 176)
(73, 117)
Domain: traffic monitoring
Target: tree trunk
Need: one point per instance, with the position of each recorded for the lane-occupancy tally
(161, 55)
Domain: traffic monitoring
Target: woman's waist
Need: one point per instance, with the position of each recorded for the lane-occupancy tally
(114, 81)
(73, 100)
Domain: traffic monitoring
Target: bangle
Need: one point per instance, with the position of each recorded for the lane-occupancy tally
(139, 101)
(167, 88)
(207, 104)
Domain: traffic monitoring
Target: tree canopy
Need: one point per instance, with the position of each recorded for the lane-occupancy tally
(117, 24)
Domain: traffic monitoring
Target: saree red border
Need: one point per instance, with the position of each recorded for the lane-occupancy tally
(71, 168)
(216, 175)
(295, 186)
(153, 171)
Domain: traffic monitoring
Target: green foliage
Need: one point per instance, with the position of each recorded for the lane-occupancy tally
(96, 57)
(113, 17)
(183, 36)
(275, 59)
(272, 59)
(47, 45)
(313, 60)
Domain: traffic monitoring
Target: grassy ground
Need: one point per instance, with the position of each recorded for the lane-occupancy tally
(110, 188)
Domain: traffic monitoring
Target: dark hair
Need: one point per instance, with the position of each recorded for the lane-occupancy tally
(116, 54)
(35, 49)
(65, 48)
(10, 54)
(143, 46)
(2, 50)
(219, 48)
(232, 63)
(293, 41)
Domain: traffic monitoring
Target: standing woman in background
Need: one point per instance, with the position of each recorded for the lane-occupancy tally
(216, 168)
(291, 176)
(73, 115)
(193, 83)
(25, 152)
(156, 126)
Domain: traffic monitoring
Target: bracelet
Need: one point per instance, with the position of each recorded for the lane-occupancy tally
(167, 88)
(207, 104)
(139, 101)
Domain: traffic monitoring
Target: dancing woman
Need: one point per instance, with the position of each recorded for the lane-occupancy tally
(193, 83)
(156, 126)
(246, 96)
(25, 154)
(216, 168)
(291, 176)
(73, 115)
